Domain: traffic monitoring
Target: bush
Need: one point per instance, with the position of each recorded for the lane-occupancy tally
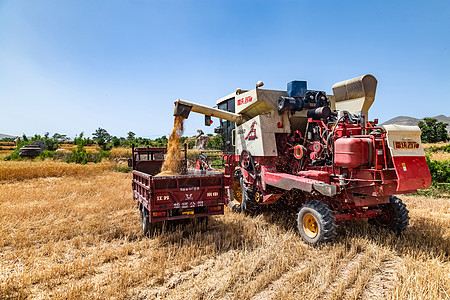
(123, 168)
(46, 154)
(14, 156)
(215, 143)
(115, 141)
(440, 171)
(217, 164)
(444, 148)
(79, 156)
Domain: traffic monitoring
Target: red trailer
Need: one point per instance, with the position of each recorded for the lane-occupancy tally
(162, 199)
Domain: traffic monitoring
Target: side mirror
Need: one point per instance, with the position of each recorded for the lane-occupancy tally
(130, 163)
(208, 120)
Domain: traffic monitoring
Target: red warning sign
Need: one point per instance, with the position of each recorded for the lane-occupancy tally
(251, 136)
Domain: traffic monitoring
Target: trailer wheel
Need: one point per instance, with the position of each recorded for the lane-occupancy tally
(316, 223)
(146, 225)
(202, 223)
(394, 215)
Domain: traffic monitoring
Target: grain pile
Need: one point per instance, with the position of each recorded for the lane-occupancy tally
(173, 163)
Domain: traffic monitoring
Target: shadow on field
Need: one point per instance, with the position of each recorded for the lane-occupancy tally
(220, 237)
(423, 236)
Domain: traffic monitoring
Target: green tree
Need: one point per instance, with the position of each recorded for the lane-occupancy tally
(215, 142)
(131, 135)
(162, 141)
(115, 141)
(433, 131)
(60, 137)
(102, 137)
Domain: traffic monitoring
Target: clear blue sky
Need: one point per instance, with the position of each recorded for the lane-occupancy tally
(72, 66)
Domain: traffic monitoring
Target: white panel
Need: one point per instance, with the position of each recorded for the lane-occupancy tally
(244, 100)
(404, 140)
(258, 134)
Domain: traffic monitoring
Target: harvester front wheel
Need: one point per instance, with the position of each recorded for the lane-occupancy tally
(248, 205)
(394, 215)
(316, 223)
(244, 201)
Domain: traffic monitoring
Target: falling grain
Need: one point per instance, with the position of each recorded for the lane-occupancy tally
(173, 161)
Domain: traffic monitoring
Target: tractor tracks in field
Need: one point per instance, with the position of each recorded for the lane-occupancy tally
(174, 280)
(271, 291)
(362, 275)
(367, 275)
(380, 284)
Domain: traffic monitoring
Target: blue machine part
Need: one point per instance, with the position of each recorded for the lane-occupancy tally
(296, 88)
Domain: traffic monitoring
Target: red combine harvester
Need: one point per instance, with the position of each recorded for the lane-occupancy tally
(196, 195)
(316, 153)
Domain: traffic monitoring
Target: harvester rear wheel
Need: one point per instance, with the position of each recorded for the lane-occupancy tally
(394, 215)
(316, 223)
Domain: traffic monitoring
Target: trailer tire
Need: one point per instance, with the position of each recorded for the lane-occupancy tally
(316, 223)
(202, 223)
(145, 221)
(395, 216)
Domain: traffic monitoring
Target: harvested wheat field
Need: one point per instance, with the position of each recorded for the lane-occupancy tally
(79, 236)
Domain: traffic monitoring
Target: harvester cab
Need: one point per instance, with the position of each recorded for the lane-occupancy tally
(319, 152)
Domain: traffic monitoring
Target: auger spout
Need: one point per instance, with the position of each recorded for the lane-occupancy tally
(183, 108)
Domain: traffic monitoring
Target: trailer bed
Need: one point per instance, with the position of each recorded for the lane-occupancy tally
(197, 194)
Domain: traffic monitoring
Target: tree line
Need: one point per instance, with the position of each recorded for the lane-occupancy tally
(106, 141)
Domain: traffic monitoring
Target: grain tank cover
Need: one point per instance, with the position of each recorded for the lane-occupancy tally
(257, 102)
(356, 94)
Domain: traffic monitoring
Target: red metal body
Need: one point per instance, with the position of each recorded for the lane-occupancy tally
(351, 153)
(347, 166)
(198, 194)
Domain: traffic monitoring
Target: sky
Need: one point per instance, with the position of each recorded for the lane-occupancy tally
(73, 66)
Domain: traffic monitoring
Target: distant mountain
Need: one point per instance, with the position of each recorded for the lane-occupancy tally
(5, 136)
(405, 120)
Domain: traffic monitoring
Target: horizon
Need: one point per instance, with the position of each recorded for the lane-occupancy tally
(190, 136)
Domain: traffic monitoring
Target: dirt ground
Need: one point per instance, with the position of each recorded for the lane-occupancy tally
(79, 237)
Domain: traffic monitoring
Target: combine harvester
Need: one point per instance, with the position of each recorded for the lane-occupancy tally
(316, 153)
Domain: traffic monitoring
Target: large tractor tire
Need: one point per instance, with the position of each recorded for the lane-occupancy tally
(394, 215)
(316, 223)
(244, 201)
